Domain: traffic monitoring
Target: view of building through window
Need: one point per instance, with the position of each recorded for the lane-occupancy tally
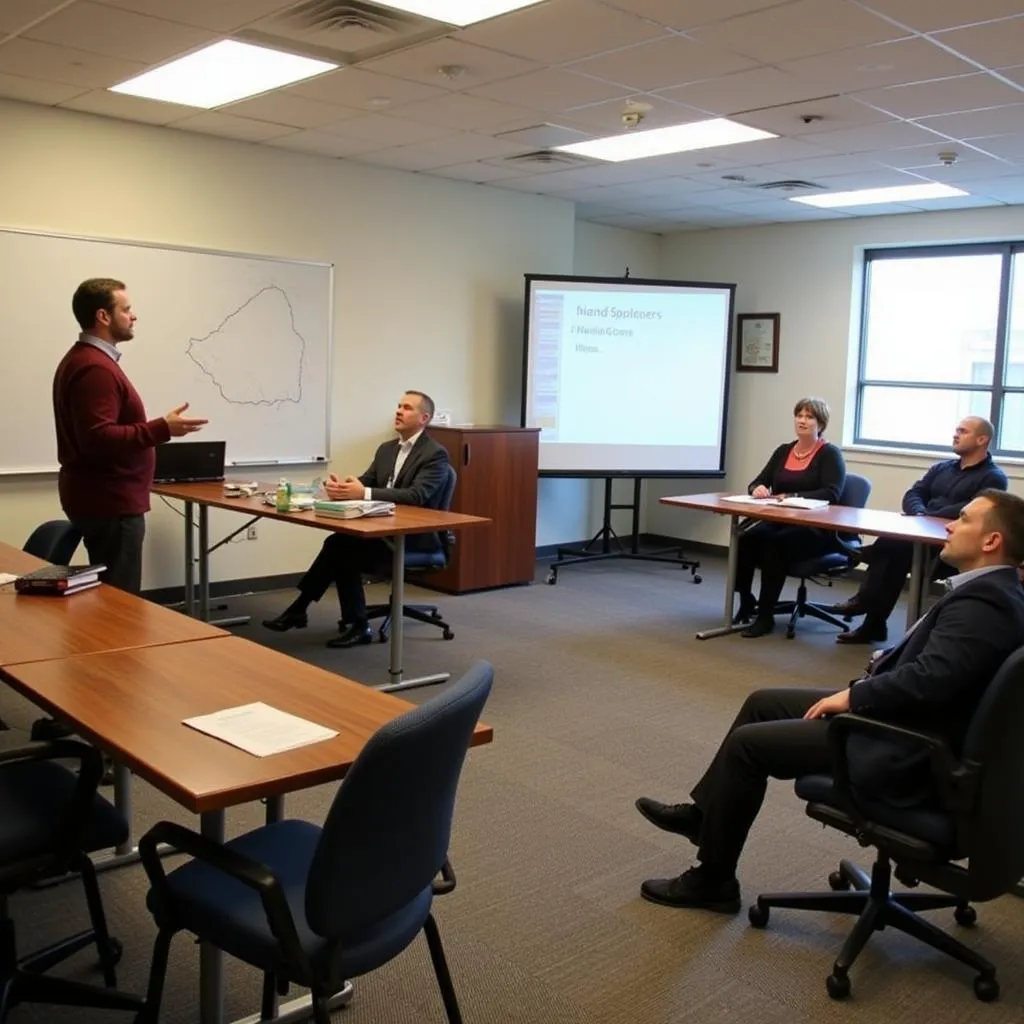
(931, 351)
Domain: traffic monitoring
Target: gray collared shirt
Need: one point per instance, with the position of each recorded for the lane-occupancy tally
(952, 582)
(103, 346)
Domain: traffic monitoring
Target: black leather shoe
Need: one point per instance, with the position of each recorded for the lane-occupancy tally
(865, 633)
(761, 626)
(849, 608)
(682, 819)
(352, 635)
(694, 889)
(747, 609)
(287, 620)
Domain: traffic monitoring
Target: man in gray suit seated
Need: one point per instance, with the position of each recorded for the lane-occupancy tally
(411, 469)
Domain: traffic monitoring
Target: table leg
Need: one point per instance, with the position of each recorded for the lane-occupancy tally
(190, 555)
(204, 563)
(915, 595)
(211, 959)
(398, 629)
(728, 626)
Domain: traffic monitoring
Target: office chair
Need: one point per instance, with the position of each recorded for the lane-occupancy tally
(50, 820)
(978, 821)
(317, 906)
(421, 562)
(54, 541)
(826, 567)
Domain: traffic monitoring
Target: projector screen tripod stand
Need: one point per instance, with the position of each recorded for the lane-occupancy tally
(606, 543)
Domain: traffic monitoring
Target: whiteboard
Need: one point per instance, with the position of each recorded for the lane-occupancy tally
(245, 340)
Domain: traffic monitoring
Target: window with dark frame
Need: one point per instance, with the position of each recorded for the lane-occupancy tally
(942, 337)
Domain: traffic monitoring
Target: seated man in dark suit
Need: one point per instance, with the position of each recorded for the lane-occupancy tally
(412, 469)
(931, 681)
(942, 491)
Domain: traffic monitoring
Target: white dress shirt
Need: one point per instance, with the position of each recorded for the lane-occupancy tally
(404, 447)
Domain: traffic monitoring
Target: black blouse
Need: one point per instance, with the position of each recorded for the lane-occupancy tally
(822, 477)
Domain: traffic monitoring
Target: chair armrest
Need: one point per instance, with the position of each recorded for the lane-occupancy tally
(249, 872)
(443, 885)
(846, 545)
(957, 781)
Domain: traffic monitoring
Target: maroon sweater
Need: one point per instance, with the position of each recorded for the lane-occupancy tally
(104, 442)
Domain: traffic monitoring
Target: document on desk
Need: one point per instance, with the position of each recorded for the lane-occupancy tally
(260, 729)
(791, 502)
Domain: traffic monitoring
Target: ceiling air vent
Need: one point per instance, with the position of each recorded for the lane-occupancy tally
(342, 31)
(546, 158)
(789, 185)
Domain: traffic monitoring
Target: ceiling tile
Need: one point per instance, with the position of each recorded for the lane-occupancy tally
(606, 118)
(88, 26)
(756, 89)
(289, 109)
(968, 202)
(127, 108)
(218, 16)
(924, 160)
(767, 151)
(458, 110)
(891, 135)
(31, 90)
(363, 90)
(888, 177)
(944, 96)
(1014, 74)
(477, 171)
(322, 144)
(934, 15)
(804, 28)
(823, 166)
(829, 114)
(552, 89)
(692, 13)
(459, 149)
(974, 124)
(386, 131)
(662, 63)
(211, 122)
(558, 32)
(1006, 190)
(61, 64)
(995, 44)
(873, 67)
(17, 14)
(421, 63)
(1010, 147)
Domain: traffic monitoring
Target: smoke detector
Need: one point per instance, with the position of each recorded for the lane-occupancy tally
(947, 157)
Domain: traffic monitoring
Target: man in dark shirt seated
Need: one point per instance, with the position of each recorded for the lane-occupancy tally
(931, 681)
(943, 491)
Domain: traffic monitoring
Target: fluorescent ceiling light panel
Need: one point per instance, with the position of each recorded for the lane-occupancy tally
(222, 73)
(870, 196)
(677, 138)
(458, 12)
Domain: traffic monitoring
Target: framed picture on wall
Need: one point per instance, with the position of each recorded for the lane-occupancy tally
(757, 342)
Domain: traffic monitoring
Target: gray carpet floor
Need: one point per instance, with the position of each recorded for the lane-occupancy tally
(602, 694)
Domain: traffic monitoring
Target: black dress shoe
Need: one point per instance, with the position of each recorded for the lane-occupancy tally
(747, 609)
(287, 620)
(865, 633)
(849, 608)
(352, 635)
(694, 889)
(682, 819)
(761, 626)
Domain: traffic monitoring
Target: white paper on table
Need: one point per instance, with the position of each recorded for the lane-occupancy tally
(7, 577)
(792, 502)
(260, 729)
(810, 503)
(746, 499)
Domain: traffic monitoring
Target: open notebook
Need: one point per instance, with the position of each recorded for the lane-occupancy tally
(791, 502)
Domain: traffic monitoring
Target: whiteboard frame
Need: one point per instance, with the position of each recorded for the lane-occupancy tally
(203, 251)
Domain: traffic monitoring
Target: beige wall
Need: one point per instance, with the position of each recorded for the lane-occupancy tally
(808, 273)
(428, 278)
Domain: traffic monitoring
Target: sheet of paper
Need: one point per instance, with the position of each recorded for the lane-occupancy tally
(260, 729)
(7, 577)
(746, 499)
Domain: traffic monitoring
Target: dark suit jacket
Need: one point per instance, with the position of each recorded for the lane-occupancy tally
(933, 680)
(421, 482)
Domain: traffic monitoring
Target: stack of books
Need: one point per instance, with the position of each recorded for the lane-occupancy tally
(59, 580)
(353, 509)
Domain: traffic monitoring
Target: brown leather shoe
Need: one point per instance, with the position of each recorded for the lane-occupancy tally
(865, 633)
(849, 608)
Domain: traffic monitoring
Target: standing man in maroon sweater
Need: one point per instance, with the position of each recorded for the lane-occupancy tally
(104, 441)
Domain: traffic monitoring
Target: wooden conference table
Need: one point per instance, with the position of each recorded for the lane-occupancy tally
(920, 531)
(407, 520)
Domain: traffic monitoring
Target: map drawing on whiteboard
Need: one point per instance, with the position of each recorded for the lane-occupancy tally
(269, 376)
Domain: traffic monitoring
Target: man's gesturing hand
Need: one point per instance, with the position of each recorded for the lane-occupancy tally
(180, 425)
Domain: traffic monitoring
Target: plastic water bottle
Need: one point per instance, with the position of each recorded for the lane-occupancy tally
(283, 497)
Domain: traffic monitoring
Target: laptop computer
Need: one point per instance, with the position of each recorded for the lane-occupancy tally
(181, 461)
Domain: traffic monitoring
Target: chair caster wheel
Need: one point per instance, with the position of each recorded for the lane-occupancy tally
(697, 578)
(838, 882)
(790, 633)
(757, 915)
(448, 635)
(986, 989)
(116, 950)
(382, 637)
(965, 916)
(552, 578)
(838, 985)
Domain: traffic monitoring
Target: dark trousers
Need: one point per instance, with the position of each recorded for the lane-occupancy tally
(774, 547)
(888, 565)
(116, 542)
(768, 739)
(343, 560)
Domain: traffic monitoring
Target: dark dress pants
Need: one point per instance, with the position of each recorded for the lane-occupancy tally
(773, 548)
(116, 542)
(343, 560)
(889, 561)
(768, 739)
